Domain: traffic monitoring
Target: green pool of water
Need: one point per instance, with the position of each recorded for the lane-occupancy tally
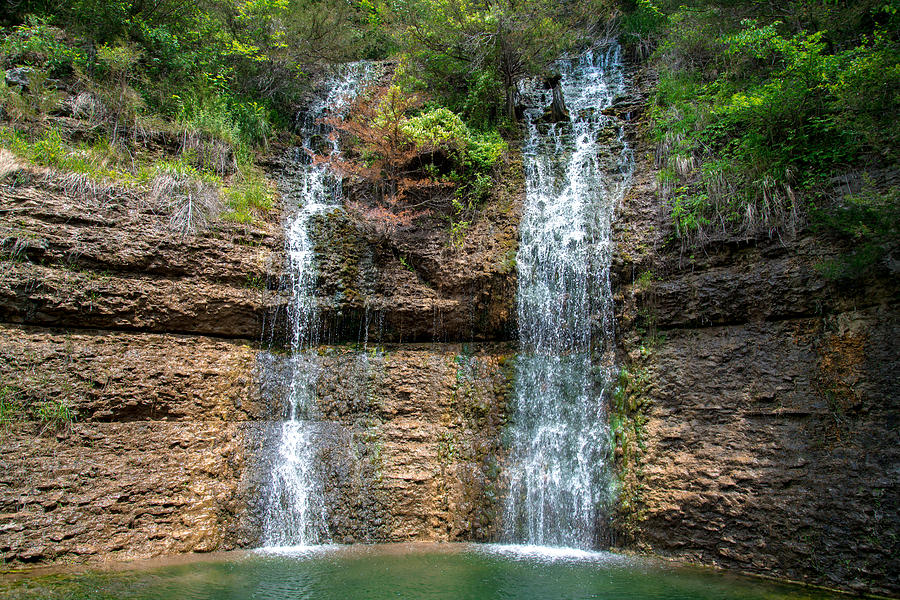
(403, 571)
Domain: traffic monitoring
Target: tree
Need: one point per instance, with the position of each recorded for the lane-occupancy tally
(463, 43)
(407, 156)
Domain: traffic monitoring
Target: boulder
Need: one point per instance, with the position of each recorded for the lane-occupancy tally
(20, 76)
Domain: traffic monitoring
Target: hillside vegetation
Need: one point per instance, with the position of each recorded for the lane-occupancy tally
(773, 116)
(769, 117)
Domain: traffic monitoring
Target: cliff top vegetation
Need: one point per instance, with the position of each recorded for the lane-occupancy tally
(773, 117)
(768, 117)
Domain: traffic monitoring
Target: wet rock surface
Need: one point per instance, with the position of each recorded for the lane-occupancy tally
(761, 403)
(420, 283)
(409, 439)
(153, 341)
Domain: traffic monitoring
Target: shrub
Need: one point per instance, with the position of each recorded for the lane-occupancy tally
(407, 153)
(32, 103)
(39, 44)
(752, 120)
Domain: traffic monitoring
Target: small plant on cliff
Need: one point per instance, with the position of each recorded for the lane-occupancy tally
(407, 154)
(247, 199)
(55, 414)
(10, 408)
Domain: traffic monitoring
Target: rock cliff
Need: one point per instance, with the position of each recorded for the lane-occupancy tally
(161, 351)
(755, 426)
(758, 402)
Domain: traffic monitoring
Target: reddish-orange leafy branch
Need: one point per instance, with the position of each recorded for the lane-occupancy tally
(378, 153)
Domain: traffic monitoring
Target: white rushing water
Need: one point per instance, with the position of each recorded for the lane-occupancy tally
(295, 512)
(576, 172)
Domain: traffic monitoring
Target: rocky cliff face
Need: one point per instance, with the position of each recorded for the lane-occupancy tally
(420, 283)
(756, 426)
(138, 398)
(759, 403)
(126, 374)
(411, 440)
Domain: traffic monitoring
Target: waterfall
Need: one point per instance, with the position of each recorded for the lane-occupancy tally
(295, 513)
(576, 172)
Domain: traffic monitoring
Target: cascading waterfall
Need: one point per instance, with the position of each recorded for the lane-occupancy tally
(576, 172)
(295, 512)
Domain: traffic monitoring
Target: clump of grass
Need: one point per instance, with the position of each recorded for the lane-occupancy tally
(207, 153)
(87, 188)
(248, 199)
(189, 189)
(55, 414)
(191, 197)
(89, 107)
(10, 407)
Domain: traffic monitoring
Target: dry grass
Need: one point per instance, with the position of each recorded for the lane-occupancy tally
(9, 164)
(84, 189)
(190, 202)
(208, 153)
(89, 107)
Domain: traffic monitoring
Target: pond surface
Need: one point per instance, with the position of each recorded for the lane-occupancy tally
(403, 571)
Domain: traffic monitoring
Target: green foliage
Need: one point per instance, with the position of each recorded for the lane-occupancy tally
(247, 199)
(441, 129)
(49, 149)
(472, 53)
(257, 51)
(436, 128)
(33, 103)
(38, 44)
(55, 414)
(753, 118)
(871, 221)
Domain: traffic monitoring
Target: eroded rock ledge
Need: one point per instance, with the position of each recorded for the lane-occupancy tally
(760, 403)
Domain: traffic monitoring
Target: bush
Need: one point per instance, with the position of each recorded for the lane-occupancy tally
(753, 120)
(871, 221)
(33, 103)
(38, 44)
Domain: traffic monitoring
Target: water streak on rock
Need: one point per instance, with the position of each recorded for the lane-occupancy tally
(295, 513)
(576, 172)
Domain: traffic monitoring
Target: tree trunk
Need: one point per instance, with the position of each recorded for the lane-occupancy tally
(511, 93)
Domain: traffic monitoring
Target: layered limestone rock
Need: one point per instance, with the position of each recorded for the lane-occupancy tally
(168, 450)
(759, 403)
(120, 438)
(163, 348)
(111, 262)
(153, 460)
(422, 283)
(409, 438)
